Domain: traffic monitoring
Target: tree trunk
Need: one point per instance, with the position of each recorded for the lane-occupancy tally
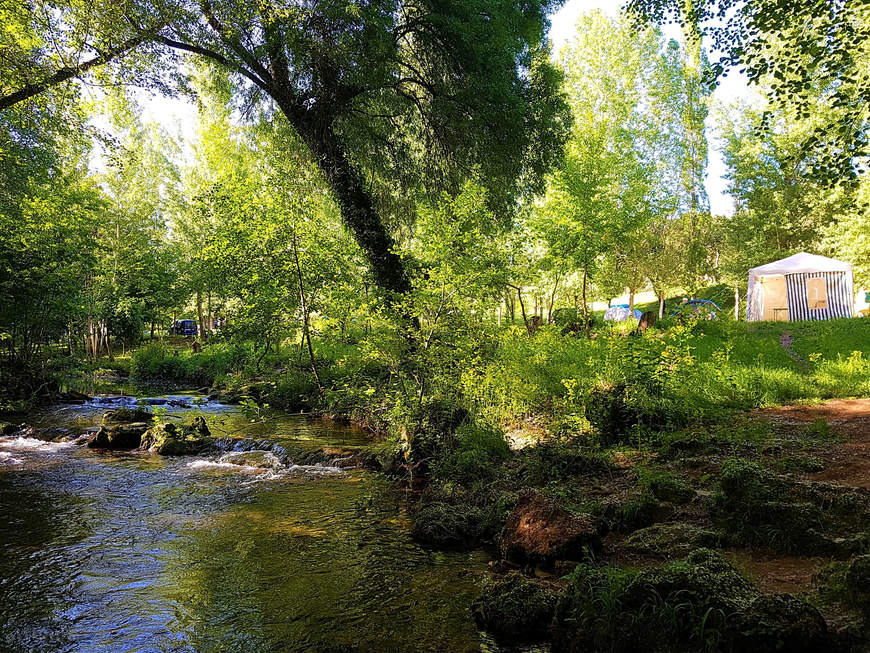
(208, 318)
(523, 309)
(357, 209)
(152, 330)
(552, 301)
(631, 301)
(202, 331)
(306, 332)
(585, 307)
(736, 302)
(662, 304)
(109, 344)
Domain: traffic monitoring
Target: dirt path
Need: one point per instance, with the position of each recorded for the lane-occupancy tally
(846, 463)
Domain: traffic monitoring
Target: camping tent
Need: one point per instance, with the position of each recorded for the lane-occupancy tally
(620, 313)
(800, 287)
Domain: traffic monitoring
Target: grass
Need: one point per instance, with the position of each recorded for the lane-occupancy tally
(613, 389)
(672, 375)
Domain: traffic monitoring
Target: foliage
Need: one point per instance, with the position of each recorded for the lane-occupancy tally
(798, 48)
(700, 604)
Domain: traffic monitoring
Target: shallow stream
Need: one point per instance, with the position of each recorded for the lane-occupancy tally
(138, 552)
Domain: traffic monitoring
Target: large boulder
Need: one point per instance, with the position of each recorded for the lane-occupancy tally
(702, 603)
(172, 440)
(539, 531)
(121, 436)
(514, 609)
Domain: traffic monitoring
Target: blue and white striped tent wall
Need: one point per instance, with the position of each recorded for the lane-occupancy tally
(839, 290)
(797, 270)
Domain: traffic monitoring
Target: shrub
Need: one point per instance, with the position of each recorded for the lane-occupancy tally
(473, 454)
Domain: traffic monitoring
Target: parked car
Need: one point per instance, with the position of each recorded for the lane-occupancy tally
(183, 328)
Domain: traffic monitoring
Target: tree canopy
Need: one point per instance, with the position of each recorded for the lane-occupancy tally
(391, 98)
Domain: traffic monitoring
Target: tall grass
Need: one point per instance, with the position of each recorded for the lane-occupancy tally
(160, 361)
(679, 373)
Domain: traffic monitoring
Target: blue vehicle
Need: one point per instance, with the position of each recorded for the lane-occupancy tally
(183, 328)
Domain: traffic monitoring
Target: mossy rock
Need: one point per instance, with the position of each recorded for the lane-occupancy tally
(671, 540)
(759, 508)
(514, 609)
(700, 604)
(556, 460)
(857, 582)
(633, 512)
(171, 440)
(667, 487)
(445, 525)
(124, 415)
(121, 436)
(7, 429)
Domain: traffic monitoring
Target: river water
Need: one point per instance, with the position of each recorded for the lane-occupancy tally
(137, 552)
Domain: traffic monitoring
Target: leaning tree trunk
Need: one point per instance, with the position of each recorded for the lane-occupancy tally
(357, 209)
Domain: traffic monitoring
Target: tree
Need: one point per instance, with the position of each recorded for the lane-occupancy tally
(137, 277)
(47, 208)
(779, 208)
(793, 48)
(602, 192)
(386, 95)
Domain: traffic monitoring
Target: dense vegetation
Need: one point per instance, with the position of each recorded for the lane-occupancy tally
(404, 215)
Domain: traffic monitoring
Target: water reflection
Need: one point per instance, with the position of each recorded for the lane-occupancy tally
(109, 552)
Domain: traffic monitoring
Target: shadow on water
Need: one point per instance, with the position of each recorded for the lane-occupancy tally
(305, 567)
(106, 552)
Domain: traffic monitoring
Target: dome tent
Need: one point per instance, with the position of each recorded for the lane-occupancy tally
(800, 287)
(620, 313)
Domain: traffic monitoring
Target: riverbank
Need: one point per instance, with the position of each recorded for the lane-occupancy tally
(591, 468)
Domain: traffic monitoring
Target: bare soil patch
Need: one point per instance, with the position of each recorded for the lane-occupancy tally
(846, 463)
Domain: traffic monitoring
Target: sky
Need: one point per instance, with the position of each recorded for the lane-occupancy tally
(179, 115)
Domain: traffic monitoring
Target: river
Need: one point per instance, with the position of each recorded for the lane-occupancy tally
(138, 552)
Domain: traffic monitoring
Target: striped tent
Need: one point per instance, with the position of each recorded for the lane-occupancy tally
(800, 287)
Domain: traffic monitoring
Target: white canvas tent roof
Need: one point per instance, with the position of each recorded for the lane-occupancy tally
(802, 263)
(791, 268)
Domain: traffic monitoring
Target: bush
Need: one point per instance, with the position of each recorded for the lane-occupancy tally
(474, 453)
